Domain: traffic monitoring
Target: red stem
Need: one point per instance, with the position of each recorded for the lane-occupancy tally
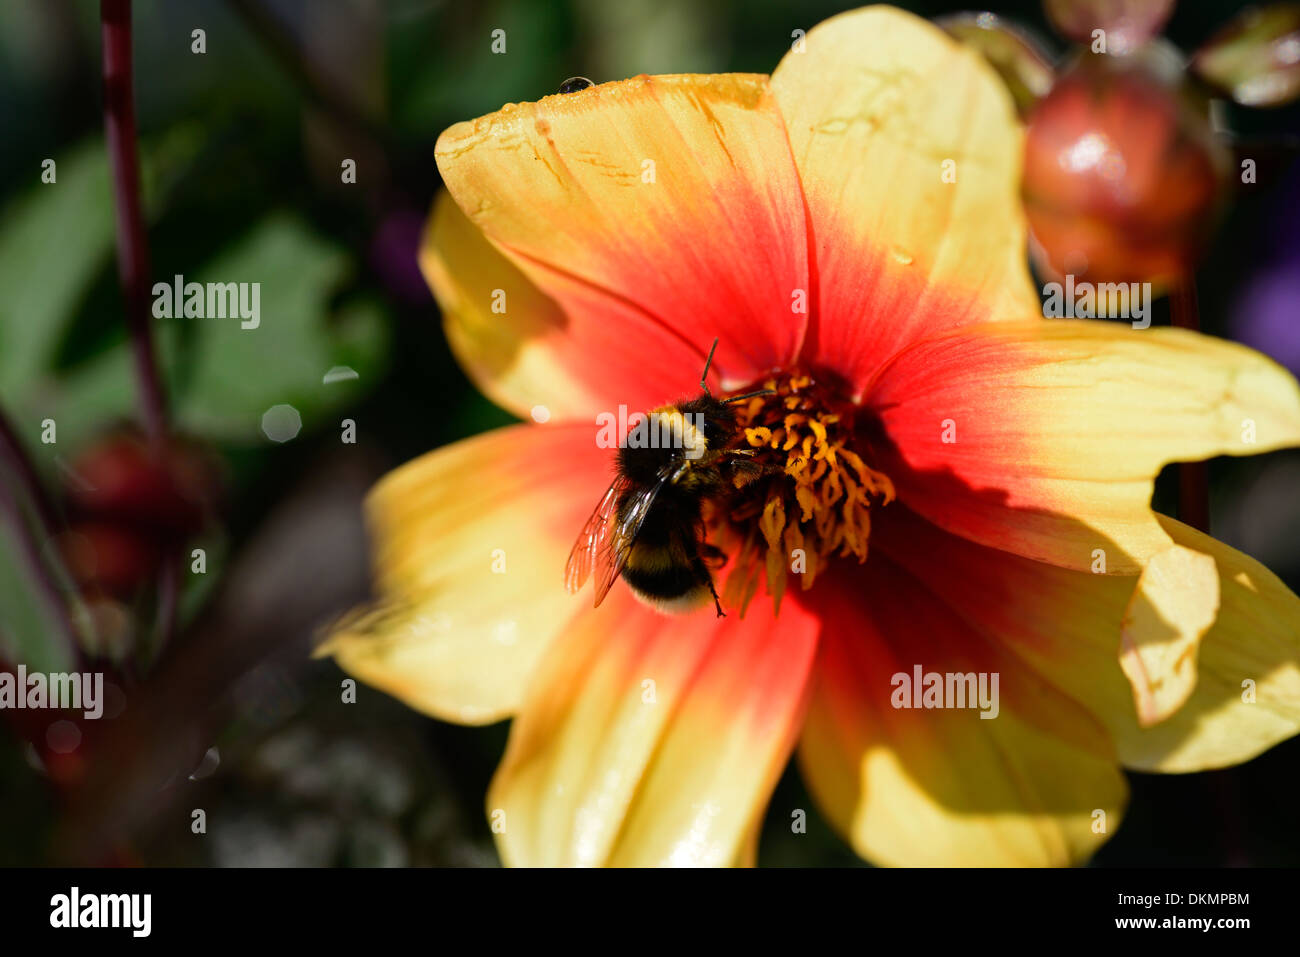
(132, 249)
(133, 253)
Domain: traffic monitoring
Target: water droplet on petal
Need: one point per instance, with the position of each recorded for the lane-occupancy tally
(575, 83)
(901, 256)
(541, 413)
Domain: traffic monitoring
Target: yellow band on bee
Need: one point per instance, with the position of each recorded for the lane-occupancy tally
(670, 423)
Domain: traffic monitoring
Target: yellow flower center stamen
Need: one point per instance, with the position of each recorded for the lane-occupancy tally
(812, 498)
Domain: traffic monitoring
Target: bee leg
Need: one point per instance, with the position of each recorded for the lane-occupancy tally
(702, 573)
(716, 602)
(744, 469)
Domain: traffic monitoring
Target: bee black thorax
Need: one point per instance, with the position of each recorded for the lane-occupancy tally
(685, 442)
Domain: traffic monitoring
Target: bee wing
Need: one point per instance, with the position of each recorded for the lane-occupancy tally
(605, 542)
(594, 537)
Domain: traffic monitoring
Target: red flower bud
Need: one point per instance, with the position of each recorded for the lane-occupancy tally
(1122, 175)
(109, 556)
(125, 479)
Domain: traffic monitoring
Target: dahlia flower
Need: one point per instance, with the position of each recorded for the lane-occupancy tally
(954, 484)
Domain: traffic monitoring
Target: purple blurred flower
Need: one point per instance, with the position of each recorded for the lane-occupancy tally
(1267, 315)
(393, 250)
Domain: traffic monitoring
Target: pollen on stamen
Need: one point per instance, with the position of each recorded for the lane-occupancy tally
(813, 499)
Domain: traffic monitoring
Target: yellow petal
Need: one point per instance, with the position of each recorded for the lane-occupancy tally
(1043, 438)
(1035, 784)
(470, 544)
(1176, 600)
(1066, 626)
(504, 331)
(658, 213)
(1247, 695)
(650, 740)
(908, 148)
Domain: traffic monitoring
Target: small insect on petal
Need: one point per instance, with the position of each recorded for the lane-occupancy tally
(575, 83)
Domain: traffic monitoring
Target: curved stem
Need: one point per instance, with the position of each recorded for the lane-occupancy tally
(34, 557)
(15, 459)
(132, 249)
(133, 253)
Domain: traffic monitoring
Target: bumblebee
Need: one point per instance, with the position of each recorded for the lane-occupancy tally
(649, 526)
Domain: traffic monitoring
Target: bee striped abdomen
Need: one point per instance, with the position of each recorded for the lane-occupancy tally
(664, 567)
(657, 575)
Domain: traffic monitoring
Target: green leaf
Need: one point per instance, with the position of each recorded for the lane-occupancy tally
(56, 238)
(222, 377)
(239, 373)
(28, 631)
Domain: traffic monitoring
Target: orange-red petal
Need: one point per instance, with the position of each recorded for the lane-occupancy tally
(658, 213)
(1043, 438)
(652, 740)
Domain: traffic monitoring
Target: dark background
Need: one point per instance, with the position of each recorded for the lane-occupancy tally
(240, 154)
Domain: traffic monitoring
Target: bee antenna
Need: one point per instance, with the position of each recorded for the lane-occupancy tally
(708, 362)
(748, 395)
